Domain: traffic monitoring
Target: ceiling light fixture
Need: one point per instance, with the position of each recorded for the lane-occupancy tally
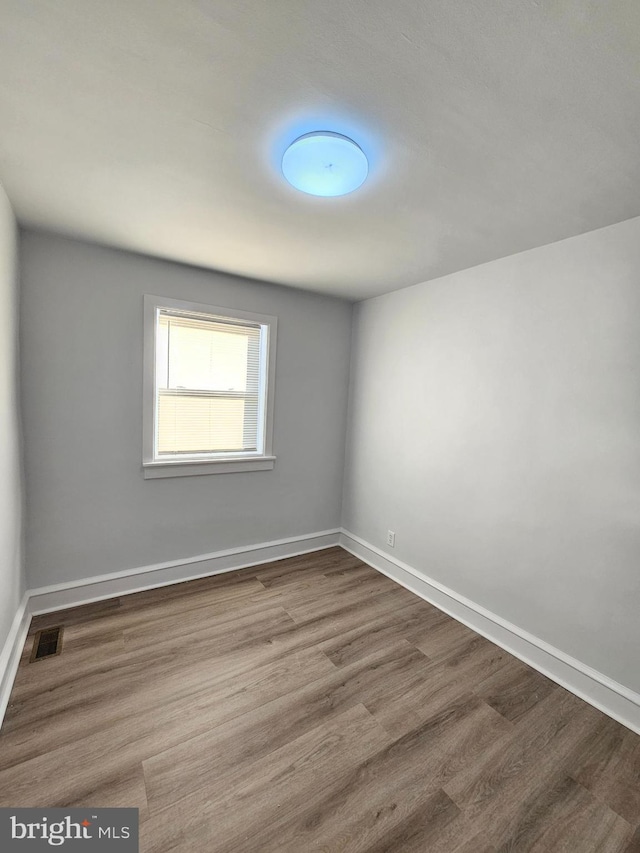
(325, 163)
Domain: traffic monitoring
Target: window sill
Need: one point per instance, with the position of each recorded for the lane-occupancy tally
(191, 468)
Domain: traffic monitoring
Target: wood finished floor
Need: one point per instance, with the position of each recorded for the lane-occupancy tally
(312, 705)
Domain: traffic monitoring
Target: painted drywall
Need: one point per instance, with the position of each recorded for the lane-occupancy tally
(494, 425)
(491, 126)
(89, 509)
(12, 583)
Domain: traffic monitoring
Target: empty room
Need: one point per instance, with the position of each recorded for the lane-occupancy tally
(320, 426)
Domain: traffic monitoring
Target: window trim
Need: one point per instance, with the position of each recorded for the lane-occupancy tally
(233, 462)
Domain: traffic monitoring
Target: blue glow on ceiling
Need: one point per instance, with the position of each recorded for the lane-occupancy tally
(325, 163)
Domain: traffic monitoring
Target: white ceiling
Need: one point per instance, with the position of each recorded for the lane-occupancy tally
(492, 126)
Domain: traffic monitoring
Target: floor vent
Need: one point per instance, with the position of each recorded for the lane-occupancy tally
(47, 644)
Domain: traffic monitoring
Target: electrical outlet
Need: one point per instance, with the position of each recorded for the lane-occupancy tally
(391, 538)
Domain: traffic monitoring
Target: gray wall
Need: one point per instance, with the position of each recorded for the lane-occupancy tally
(12, 584)
(495, 426)
(89, 510)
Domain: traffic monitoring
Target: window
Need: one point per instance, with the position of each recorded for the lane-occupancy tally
(208, 389)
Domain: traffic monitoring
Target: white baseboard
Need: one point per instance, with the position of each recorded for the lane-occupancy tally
(71, 594)
(12, 651)
(608, 696)
(74, 593)
(615, 700)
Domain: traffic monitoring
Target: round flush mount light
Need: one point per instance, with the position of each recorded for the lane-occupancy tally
(325, 163)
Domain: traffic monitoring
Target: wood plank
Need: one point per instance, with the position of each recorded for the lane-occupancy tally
(634, 844)
(141, 718)
(388, 797)
(240, 807)
(609, 766)
(192, 765)
(443, 681)
(179, 663)
(514, 689)
(565, 817)
(502, 788)
(386, 627)
(312, 704)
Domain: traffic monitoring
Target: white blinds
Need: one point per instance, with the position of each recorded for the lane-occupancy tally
(208, 385)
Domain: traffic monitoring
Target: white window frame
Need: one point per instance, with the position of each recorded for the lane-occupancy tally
(261, 460)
